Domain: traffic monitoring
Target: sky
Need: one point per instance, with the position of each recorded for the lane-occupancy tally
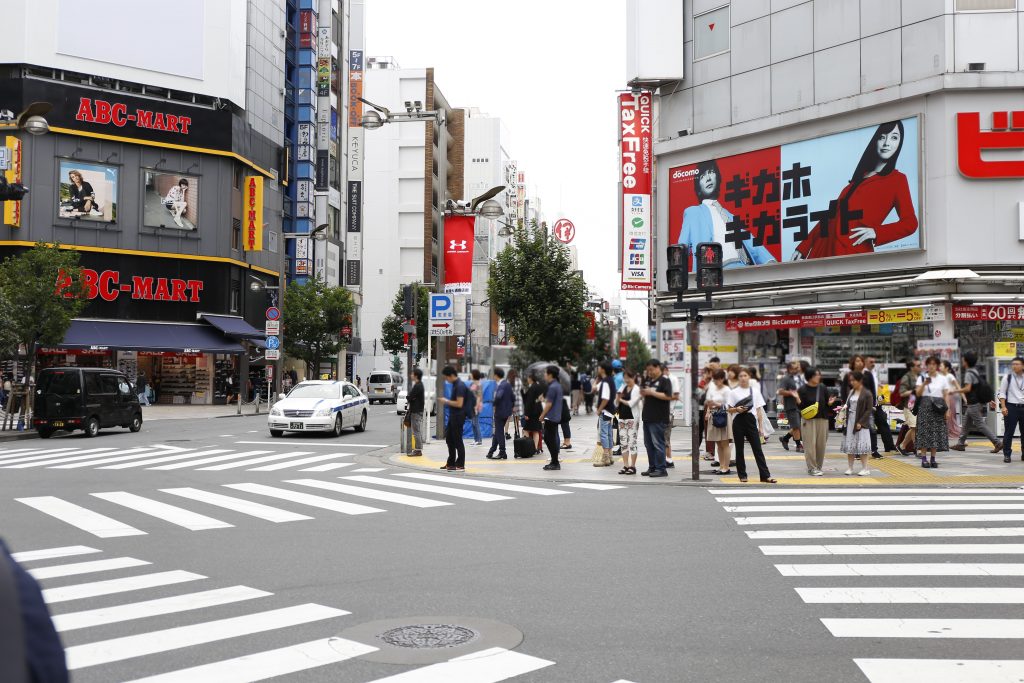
(550, 69)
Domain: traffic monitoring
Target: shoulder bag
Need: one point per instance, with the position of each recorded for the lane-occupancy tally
(811, 411)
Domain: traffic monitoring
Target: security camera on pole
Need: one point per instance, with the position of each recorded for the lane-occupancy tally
(707, 259)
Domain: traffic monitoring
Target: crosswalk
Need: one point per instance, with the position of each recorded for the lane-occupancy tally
(957, 554)
(165, 457)
(114, 615)
(114, 514)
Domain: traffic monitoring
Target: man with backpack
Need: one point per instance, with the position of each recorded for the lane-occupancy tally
(979, 394)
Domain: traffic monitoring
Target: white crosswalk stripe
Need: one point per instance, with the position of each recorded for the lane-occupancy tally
(162, 459)
(168, 513)
(307, 499)
(130, 454)
(916, 535)
(328, 467)
(10, 462)
(78, 516)
(205, 461)
(254, 461)
(24, 454)
(53, 553)
(271, 514)
(388, 496)
(73, 455)
(76, 568)
(428, 488)
(93, 589)
(486, 666)
(479, 483)
(300, 461)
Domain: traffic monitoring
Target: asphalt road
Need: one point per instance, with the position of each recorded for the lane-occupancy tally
(634, 583)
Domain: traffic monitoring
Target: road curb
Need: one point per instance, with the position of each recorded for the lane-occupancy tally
(20, 436)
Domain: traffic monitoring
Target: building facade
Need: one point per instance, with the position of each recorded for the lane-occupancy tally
(839, 152)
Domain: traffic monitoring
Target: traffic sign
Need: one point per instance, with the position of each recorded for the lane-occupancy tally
(273, 342)
(273, 327)
(272, 354)
(441, 329)
(273, 313)
(5, 158)
(564, 230)
(442, 307)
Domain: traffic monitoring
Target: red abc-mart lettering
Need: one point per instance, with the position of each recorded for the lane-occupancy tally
(107, 285)
(103, 112)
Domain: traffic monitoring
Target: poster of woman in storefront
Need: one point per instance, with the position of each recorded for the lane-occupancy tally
(877, 191)
(707, 221)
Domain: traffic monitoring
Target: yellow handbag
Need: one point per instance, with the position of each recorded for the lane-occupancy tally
(811, 411)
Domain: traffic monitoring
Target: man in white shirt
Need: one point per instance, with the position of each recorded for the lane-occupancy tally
(1011, 403)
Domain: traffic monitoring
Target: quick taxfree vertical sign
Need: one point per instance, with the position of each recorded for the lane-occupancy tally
(635, 168)
(253, 211)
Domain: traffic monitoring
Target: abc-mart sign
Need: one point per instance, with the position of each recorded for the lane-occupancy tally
(636, 159)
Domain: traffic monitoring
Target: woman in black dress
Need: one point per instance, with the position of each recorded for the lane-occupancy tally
(532, 409)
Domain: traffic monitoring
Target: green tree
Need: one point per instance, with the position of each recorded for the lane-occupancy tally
(596, 349)
(396, 364)
(8, 339)
(391, 329)
(638, 352)
(534, 290)
(43, 291)
(313, 317)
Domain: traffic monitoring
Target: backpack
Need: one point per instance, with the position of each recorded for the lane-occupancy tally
(897, 399)
(982, 390)
(469, 403)
(587, 386)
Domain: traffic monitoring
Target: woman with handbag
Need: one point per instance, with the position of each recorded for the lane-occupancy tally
(954, 400)
(743, 402)
(814, 404)
(628, 402)
(719, 421)
(532, 409)
(860, 411)
(932, 390)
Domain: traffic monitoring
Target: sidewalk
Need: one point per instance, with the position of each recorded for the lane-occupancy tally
(976, 466)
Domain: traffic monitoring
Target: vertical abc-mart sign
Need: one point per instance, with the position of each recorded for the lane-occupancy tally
(635, 168)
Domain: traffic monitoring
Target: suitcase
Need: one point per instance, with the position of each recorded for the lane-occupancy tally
(523, 446)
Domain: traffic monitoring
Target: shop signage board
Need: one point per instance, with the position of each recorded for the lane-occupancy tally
(636, 176)
(1006, 134)
(458, 254)
(12, 172)
(253, 210)
(901, 316)
(1007, 312)
(1005, 349)
(812, 199)
(107, 285)
(564, 231)
(785, 322)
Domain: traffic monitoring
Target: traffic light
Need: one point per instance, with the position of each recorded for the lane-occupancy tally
(709, 266)
(409, 301)
(11, 192)
(677, 274)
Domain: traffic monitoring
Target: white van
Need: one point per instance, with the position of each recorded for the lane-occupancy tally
(384, 385)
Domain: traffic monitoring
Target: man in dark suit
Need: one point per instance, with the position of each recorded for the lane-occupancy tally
(871, 382)
(504, 401)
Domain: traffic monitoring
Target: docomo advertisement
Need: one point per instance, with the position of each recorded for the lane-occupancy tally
(636, 175)
(846, 194)
(458, 254)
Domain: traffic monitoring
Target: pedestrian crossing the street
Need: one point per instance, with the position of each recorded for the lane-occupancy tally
(162, 457)
(960, 553)
(113, 514)
(127, 618)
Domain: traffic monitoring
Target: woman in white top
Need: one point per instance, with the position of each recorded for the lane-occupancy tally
(764, 425)
(953, 400)
(714, 400)
(743, 403)
(932, 390)
(628, 403)
(860, 405)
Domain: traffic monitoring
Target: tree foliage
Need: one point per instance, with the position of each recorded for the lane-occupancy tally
(313, 317)
(638, 352)
(596, 350)
(534, 290)
(43, 290)
(391, 329)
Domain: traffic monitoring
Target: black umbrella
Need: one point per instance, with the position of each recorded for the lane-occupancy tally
(537, 370)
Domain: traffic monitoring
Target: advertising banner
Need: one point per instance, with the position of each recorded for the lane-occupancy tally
(637, 159)
(1007, 312)
(171, 201)
(458, 254)
(355, 88)
(253, 210)
(87, 192)
(12, 210)
(845, 194)
(785, 322)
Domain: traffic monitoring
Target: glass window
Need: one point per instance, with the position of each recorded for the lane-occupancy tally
(303, 390)
(711, 33)
(64, 382)
(123, 387)
(92, 383)
(351, 390)
(108, 384)
(985, 5)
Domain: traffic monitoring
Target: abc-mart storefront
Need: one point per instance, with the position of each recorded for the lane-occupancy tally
(889, 231)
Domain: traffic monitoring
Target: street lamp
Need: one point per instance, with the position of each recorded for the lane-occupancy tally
(379, 115)
(30, 120)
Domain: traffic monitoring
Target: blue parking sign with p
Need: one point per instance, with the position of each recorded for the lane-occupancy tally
(442, 307)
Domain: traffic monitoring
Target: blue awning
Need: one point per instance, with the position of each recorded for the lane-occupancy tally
(175, 337)
(233, 326)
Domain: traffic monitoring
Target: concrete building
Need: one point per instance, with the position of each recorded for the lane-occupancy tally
(849, 189)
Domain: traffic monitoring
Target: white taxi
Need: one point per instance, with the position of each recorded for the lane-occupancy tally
(319, 406)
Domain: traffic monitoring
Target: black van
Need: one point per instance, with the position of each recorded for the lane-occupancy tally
(84, 398)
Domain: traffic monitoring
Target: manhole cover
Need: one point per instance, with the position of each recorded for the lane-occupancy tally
(423, 636)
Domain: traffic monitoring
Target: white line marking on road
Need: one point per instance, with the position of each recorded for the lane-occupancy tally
(53, 553)
(370, 469)
(926, 628)
(75, 568)
(429, 488)
(141, 644)
(951, 532)
(388, 496)
(169, 513)
(486, 484)
(897, 549)
(865, 499)
(74, 456)
(593, 487)
(296, 463)
(6, 462)
(205, 461)
(902, 595)
(94, 589)
(78, 516)
(165, 458)
(138, 610)
(225, 436)
(487, 666)
(263, 665)
(267, 512)
(871, 508)
(904, 569)
(325, 444)
(10, 456)
(868, 490)
(878, 519)
(136, 454)
(328, 467)
(306, 499)
(7, 452)
(252, 461)
(941, 670)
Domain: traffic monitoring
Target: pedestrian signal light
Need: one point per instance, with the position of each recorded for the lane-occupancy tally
(678, 268)
(409, 301)
(709, 266)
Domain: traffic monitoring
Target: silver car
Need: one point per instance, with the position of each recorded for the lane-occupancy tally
(384, 385)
